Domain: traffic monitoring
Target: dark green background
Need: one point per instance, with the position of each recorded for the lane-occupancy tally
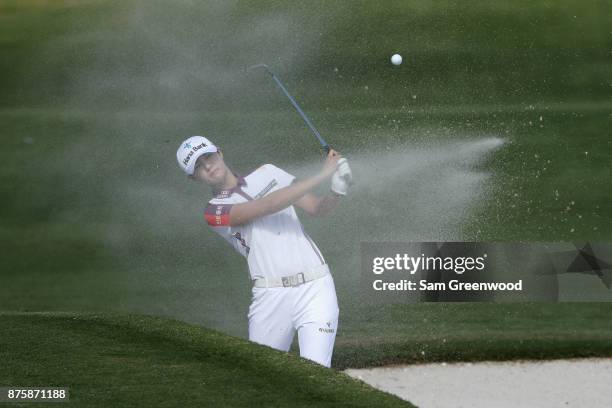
(96, 96)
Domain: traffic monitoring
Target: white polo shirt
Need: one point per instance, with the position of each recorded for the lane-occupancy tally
(275, 245)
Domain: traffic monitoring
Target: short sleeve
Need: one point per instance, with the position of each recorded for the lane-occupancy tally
(282, 176)
(217, 215)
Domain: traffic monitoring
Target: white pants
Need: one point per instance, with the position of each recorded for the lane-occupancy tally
(311, 309)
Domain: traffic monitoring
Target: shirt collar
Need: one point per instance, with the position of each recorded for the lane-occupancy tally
(227, 193)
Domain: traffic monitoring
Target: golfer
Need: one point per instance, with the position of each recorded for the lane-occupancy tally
(293, 289)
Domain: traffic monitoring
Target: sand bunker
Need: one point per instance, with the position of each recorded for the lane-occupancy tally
(558, 383)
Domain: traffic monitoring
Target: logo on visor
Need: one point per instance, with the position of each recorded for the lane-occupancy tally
(191, 153)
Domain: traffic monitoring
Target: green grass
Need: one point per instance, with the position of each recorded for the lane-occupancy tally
(420, 333)
(474, 52)
(114, 359)
(138, 361)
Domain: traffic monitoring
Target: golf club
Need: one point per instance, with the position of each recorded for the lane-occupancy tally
(294, 103)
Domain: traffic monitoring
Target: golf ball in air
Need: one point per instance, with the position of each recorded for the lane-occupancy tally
(396, 59)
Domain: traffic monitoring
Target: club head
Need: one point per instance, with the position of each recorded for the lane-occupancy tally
(264, 66)
(257, 66)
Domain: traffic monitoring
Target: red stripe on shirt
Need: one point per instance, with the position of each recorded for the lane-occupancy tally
(217, 214)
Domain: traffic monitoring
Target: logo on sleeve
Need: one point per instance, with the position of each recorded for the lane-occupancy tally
(218, 214)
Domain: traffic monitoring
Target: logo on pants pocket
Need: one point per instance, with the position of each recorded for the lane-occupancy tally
(327, 329)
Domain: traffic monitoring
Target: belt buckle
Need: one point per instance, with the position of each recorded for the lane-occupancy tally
(293, 280)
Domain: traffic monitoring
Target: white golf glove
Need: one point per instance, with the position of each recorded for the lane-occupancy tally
(342, 179)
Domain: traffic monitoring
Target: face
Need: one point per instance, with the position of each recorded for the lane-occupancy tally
(210, 168)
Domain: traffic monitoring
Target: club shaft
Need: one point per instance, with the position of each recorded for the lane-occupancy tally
(299, 110)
